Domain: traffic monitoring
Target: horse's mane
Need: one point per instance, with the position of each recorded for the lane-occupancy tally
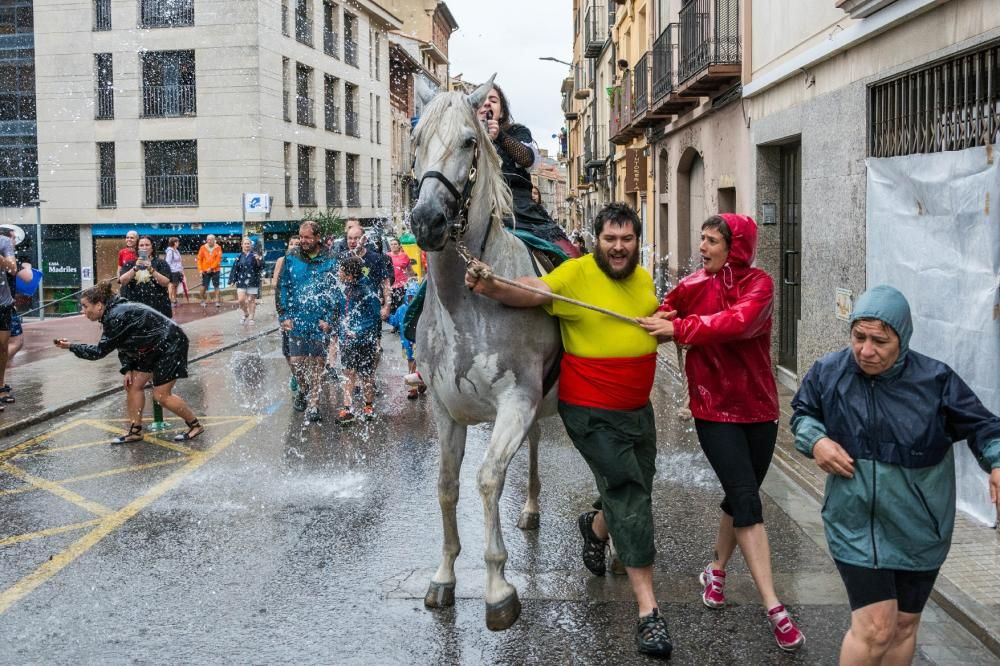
(437, 119)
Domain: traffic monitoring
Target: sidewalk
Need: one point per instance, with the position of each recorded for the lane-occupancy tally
(968, 587)
(49, 381)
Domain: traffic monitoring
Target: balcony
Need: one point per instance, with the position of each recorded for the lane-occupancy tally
(351, 124)
(332, 118)
(304, 113)
(588, 152)
(168, 101)
(104, 107)
(307, 191)
(333, 199)
(710, 51)
(350, 52)
(175, 190)
(641, 74)
(596, 154)
(622, 127)
(580, 87)
(665, 101)
(595, 32)
(330, 43)
(166, 13)
(353, 194)
(303, 29)
(106, 192)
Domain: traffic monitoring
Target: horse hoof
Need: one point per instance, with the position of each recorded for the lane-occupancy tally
(528, 520)
(502, 615)
(440, 595)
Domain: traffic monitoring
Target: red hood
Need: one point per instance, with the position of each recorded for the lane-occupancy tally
(743, 246)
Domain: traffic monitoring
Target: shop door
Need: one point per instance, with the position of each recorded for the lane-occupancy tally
(791, 256)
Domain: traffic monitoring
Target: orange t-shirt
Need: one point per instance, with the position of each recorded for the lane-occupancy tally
(209, 261)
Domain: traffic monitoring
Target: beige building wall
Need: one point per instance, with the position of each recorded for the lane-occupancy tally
(239, 124)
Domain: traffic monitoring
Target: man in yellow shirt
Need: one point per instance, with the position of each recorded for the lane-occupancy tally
(209, 265)
(606, 375)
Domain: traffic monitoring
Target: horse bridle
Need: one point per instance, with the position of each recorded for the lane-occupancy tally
(461, 223)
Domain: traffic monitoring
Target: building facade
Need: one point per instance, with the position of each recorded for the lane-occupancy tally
(159, 115)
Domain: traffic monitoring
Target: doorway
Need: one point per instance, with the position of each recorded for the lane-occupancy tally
(791, 256)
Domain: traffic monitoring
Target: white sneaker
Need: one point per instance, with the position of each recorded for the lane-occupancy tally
(243, 319)
(251, 322)
(413, 379)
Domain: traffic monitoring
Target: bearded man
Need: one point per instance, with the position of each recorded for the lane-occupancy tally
(605, 379)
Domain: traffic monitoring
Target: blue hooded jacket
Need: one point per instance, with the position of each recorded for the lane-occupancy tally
(898, 510)
(308, 293)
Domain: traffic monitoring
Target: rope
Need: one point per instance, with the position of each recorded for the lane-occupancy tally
(43, 304)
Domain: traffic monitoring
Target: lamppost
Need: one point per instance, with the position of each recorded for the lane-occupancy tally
(38, 252)
(568, 64)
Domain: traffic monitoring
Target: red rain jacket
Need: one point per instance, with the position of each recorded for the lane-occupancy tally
(726, 319)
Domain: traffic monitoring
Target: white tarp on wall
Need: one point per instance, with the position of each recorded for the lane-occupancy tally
(934, 233)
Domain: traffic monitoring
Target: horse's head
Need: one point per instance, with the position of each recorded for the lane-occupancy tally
(448, 142)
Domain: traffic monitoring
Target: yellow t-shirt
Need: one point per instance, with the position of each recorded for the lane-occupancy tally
(590, 334)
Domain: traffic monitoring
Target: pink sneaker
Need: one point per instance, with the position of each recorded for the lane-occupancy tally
(787, 635)
(714, 581)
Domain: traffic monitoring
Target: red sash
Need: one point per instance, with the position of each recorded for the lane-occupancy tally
(607, 383)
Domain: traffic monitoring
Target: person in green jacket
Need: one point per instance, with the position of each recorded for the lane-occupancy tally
(881, 419)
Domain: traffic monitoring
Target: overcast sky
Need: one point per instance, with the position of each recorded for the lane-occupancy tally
(508, 37)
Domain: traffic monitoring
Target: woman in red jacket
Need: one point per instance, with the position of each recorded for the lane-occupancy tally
(723, 313)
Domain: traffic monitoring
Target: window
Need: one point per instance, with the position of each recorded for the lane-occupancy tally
(105, 89)
(331, 109)
(102, 15)
(286, 67)
(106, 186)
(288, 174)
(371, 181)
(304, 114)
(303, 22)
(378, 56)
(350, 39)
(171, 173)
(168, 84)
(351, 181)
(332, 183)
(166, 13)
(284, 18)
(371, 117)
(351, 125)
(307, 184)
(18, 170)
(17, 17)
(371, 53)
(330, 25)
(378, 183)
(17, 89)
(378, 119)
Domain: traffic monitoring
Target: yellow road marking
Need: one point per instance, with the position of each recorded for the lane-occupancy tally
(110, 523)
(57, 490)
(97, 475)
(52, 531)
(69, 447)
(14, 450)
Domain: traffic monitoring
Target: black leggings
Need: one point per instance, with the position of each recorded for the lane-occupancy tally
(740, 454)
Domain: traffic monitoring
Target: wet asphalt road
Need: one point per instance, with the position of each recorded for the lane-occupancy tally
(270, 541)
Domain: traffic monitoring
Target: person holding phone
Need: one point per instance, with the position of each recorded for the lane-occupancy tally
(147, 279)
(151, 349)
(516, 148)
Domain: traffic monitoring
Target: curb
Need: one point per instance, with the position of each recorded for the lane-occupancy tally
(59, 410)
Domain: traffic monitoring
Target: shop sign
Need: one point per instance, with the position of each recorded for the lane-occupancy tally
(635, 170)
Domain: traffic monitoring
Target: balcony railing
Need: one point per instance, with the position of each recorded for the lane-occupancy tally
(595, 32)
(104, 108)
(168, 101)
(353, 194)
(588, 145)
(166, 13)
(710, 35)
(102, 15)
(303, 29)
(351, 124)
(350, 52)
(307, 191)
(330, 43)
(640, 86)
(332, 118)
(106, 192)
(304, 114)
(621, 130)
(664, 59)
(333, 199)
(171, 191)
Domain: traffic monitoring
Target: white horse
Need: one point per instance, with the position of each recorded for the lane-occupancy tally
(482, 361)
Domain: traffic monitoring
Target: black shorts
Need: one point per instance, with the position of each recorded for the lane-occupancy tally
(6, 317)
(362, 355)
(167, 363)
(284, 344)
(176, 278)
(210, 278)
(865, 586)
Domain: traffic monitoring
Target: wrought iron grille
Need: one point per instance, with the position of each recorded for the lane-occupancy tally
(102, 15)
(175, 190)
(664, 61)
(710, 34)
(168, 101)
(105, 108)
(107, 195)
(640, 86)
(948, 105)
(166, 13)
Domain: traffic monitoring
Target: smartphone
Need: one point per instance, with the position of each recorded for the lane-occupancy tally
(489, 114)
(142, 255)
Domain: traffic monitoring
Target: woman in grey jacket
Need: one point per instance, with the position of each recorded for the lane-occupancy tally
(881, 419)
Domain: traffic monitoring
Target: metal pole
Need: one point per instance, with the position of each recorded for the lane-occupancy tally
(243, 212)
(158, 423)
(38, 252)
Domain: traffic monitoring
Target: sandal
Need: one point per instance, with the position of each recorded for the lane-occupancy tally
(133, 435)
(187, 436)
(6, 399)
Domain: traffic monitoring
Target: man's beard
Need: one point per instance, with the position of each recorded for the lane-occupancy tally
(601, 257)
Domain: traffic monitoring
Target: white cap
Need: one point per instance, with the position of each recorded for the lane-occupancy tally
(18, 232)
